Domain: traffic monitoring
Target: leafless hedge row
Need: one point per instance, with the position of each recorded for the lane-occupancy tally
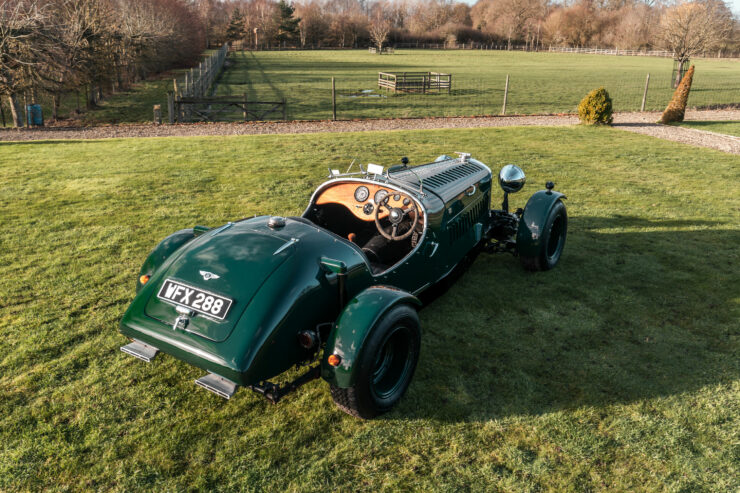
(54, 46)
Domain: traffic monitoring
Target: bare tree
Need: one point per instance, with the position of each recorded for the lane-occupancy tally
(511, 19)
(379, 30)
(313, 26)
(21, 25)
(691, 28)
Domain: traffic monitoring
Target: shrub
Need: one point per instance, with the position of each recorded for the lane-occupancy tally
(677, 107)
(596, 107)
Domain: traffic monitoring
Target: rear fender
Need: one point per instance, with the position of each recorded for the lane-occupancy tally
(165, 248)
(533, 220)
(348, 336)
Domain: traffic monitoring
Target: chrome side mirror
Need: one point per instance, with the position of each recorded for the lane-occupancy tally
(511, 178)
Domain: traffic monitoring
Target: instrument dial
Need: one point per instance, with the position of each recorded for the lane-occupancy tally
(380, 195)
(361, 194)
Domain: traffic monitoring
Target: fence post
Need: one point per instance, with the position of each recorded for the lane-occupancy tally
(157, 114)
(644, 94)
(285, 109)
(246, 113)
(170, 107)
(506, 95)
(25, 109)
(333, 100)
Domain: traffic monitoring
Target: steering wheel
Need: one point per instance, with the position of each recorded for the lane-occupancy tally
(396, 215)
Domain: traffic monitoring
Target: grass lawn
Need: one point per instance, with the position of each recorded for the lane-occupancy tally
(722, 127)
(539, 82)
(618, 370)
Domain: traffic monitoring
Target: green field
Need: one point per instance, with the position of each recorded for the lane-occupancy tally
(617, 371)
(722, 127)
(539, 82)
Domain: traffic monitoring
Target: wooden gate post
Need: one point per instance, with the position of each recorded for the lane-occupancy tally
(285, 109)
(178, 107)
(506, 95)
(170, 107)
(333, 101)
(246, 112)
(644, 94)
(157, 114)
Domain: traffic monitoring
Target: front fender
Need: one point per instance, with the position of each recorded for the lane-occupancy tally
(348, 336)
(165, 248)
(533, 220)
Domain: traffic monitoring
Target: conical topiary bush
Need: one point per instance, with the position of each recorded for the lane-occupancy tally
(677, 107)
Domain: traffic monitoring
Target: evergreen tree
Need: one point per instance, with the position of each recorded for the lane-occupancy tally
(287, 24)
(677, 107)
(236, 30)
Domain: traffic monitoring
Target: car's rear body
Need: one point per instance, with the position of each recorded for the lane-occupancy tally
(273, 278)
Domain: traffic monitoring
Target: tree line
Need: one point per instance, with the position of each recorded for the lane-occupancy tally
(54, 46)
(623, 24)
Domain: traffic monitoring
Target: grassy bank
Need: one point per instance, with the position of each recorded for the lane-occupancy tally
(722, 127)
(618, 370)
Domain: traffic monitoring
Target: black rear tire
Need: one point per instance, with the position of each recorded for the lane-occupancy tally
(553, 241)
(385, 366)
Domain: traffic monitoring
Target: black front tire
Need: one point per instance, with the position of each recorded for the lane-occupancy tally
(385, 367)
(552, 241)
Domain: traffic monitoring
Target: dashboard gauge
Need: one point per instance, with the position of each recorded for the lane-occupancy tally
(397, 197)
(380, 195)
(406, 201)
(368, 209)
(361, 194)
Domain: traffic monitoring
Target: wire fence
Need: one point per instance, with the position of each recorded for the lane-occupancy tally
(198, 80)
(554, 89)
(312, 98)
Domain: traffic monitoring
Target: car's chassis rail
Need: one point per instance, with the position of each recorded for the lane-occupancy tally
(274, 392)
(502, 233)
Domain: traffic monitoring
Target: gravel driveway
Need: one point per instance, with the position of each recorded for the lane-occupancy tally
(633, 122)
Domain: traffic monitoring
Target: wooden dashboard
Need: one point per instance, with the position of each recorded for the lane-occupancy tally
(345, 193)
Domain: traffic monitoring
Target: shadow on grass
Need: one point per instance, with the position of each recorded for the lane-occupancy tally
(627, 315)
(709, 123)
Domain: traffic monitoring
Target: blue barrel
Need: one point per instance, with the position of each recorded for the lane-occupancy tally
(35, 115)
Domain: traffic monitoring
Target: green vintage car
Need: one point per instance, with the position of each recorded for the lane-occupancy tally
(334, 290)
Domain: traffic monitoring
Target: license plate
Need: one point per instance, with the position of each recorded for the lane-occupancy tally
(200, 301)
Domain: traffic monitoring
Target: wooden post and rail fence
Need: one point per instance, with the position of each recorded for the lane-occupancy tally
(191, 100)
(422, 82)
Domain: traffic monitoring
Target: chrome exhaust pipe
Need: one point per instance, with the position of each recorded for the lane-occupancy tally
(218, 385)
(138, 349)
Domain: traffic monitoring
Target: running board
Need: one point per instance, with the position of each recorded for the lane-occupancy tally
(218, 385)
(138, 349)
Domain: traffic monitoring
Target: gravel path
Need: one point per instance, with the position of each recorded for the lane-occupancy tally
(634, 122)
